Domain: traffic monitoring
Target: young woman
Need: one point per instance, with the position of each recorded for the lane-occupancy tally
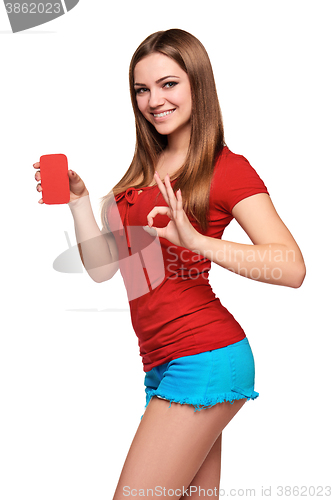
(183, 187)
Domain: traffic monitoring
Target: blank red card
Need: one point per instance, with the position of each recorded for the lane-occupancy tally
(54, 179)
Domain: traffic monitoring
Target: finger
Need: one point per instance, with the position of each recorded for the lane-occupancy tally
(161, 187)
(36, 165)
(41, 201)
(155, 211)
(150, 230)
(176, 202)
(179, 202)
(170, 193)
(179, 199)
(166, 189)
(39, 188)
(37, 176)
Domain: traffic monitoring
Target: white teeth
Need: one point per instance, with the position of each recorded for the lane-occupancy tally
(159, 115)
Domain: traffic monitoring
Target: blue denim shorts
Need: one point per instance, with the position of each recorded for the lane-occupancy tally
(205, 379)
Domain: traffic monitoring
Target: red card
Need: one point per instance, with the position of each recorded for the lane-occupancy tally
(54, 179)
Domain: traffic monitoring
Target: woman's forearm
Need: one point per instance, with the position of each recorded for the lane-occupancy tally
(270, 263)
(93, 247)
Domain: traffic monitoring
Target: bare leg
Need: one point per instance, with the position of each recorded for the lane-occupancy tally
(208, 476)
(170, 446)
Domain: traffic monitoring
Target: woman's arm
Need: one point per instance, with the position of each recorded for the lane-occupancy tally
(98, 251)
(274, 256)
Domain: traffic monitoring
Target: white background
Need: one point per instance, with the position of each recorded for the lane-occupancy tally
(71, 382)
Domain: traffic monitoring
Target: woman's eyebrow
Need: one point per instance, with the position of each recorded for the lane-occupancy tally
(158, 81)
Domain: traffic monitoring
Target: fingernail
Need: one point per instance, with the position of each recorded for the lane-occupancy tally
(150, 230)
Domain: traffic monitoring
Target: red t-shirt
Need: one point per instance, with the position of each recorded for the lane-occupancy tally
(174, 310)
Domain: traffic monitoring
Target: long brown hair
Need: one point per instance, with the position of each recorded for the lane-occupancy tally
(207, 135)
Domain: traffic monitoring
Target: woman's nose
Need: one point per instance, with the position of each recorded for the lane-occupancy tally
(155, 99)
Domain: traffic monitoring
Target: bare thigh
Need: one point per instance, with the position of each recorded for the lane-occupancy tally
(170, 446)
(207, 479)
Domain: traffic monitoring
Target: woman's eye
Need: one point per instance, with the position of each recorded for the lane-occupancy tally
(141, 90)
(169, 85)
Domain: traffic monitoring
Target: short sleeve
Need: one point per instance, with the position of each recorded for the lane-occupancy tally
(234, 180)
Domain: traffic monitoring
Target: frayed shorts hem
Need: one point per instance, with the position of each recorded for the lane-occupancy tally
(205, 403)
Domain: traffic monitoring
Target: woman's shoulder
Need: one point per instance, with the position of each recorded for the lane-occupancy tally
(228, 159)
(233, 168)
(234, 179)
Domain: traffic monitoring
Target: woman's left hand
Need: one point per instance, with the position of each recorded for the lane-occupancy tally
(179, 230)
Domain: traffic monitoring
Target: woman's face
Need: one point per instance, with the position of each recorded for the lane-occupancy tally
(163, 94)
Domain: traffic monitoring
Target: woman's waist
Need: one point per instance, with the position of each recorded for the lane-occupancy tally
(174, 319)
(166, 345)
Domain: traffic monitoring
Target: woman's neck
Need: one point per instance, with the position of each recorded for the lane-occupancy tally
(178, 142)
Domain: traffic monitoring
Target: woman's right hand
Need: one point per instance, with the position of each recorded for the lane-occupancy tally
(76, 185)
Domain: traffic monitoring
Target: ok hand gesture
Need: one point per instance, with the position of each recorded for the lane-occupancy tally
(179, 230)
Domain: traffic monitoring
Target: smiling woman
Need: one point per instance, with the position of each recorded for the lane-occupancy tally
(195, 354)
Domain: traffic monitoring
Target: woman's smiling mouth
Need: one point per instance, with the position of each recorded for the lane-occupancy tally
(162, 114)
